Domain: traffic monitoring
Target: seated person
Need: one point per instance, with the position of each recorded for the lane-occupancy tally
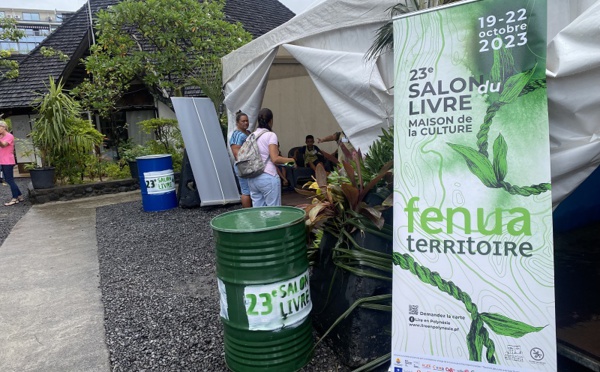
(309, 155)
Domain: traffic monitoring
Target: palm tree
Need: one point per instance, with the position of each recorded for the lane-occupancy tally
(385, 35)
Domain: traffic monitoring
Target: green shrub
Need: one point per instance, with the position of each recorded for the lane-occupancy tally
(116, 171)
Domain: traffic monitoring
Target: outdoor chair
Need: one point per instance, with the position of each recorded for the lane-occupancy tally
(301, 174)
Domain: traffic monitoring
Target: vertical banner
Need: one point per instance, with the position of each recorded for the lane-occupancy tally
(473, 255)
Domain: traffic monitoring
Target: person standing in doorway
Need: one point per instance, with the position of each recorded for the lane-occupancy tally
(238, 137)
(7, 163)
(265, 189)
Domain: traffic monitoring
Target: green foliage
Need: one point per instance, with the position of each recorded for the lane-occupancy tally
(340, 194)
(478, 164)
(9, 31)
(51, 52)
(338, 208)
(62, 139)
(166, 132)
(168, 44)
(116, 171)
(505, 326)
(168, 141)
(130, 151)
(380, 153)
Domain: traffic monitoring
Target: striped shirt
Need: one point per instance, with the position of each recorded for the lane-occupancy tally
(237, 138)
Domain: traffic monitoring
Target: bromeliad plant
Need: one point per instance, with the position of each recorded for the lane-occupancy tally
(339, 208)
(338, 198)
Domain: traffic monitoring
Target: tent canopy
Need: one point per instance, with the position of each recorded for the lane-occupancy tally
(330, 41)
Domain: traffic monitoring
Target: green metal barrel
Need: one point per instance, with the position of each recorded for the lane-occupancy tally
(262, 273)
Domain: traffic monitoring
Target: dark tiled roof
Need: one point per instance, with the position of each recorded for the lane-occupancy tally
(35, 69)
(257, 16)
(71, 38)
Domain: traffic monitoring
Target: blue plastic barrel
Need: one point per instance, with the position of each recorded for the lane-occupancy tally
(157, 182)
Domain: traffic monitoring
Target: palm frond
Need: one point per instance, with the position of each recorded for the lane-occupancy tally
(384, 38)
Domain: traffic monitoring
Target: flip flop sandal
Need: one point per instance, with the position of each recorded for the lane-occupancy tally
(20, 198)
(11, 202)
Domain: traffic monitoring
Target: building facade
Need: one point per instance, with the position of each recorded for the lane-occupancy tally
(36, 23)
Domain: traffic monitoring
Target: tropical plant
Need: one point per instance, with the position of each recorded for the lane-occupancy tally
(384, 39)
(380, 153)
(339, 209)
(340, 195)
(169, 45)
(60, 137)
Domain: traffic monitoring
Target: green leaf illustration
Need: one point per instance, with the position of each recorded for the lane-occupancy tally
(504, 65)
(475, 341)
(504, 326)
(515, 84)
(499, 162)
(478, 164)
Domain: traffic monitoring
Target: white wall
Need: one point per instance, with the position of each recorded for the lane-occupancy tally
(297, 106)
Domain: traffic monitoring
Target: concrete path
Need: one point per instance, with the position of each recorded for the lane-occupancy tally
(51, 314)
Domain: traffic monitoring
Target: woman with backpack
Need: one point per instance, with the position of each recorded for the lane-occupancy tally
(265, 189)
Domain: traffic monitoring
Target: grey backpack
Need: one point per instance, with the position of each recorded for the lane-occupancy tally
(249, 162)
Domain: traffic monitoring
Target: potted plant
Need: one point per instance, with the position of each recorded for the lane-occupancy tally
(62, 141)
(352, 253)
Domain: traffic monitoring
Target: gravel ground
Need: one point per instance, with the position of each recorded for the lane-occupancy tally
(159, 289)
(9, 216)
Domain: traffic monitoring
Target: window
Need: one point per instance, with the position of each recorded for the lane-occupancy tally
(24, 48)
(31, 16)
(1, 14)
(59, 17)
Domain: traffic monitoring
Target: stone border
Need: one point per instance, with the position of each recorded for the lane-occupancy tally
(70, 192)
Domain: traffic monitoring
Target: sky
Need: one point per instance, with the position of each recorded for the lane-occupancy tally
(296, 6)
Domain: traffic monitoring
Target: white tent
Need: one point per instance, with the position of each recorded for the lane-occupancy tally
(330, 41)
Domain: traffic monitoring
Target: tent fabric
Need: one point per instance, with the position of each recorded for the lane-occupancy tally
(348, 92)
(573, 72)
(342, 30)
(245, 90)
(331, 39)
(333, 15)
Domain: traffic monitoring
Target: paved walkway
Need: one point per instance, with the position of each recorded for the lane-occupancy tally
(51, 314)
